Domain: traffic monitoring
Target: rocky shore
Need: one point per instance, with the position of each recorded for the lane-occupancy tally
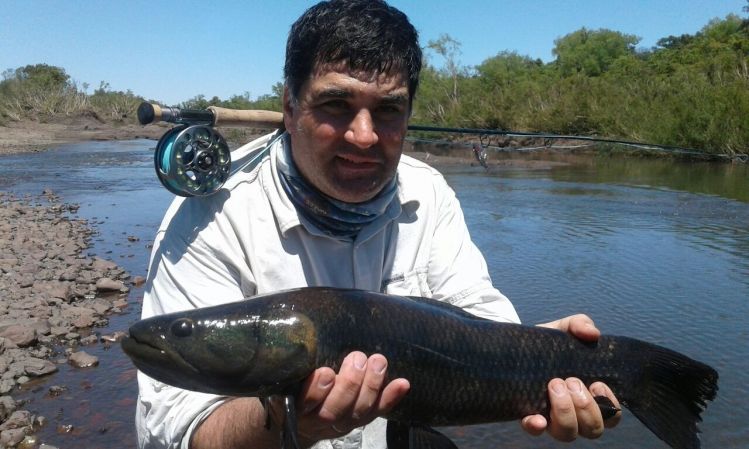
(52, 298)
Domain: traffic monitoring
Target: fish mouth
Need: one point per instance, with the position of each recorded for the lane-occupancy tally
(151, 359)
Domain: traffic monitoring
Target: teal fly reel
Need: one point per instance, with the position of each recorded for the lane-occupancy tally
(192, 160)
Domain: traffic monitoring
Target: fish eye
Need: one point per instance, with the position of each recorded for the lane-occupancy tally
(182, 327)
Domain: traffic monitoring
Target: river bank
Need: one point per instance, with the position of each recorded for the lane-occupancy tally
(54, 297)
(33, 136)
(37, 136)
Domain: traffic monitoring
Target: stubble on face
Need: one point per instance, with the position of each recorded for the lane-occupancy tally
(347, 131)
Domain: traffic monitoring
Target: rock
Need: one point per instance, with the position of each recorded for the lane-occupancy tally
(17, 420)
(55, 289)
(89, 340)
(84, 321)
(69, 275)
(41, 326)
(138, 281)
(109, 285)
(57, 390)
(11, 437)
(83, 360)
(29, 442)
(7, 406)
(21, 336)
(115, 337)
(64, 428)
(79, 316)
(39, 421)
(59, 331)
(37, 367)
(103, 265)
(6, 385)
(101, 307)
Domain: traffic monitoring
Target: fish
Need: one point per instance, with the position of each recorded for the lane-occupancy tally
(485, 371)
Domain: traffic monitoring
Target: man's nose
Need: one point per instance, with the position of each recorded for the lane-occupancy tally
(361, 131)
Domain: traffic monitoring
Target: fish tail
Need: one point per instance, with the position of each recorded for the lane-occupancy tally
(671, 394)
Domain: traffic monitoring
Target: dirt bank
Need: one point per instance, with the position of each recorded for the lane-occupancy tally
(35, 136)
(30, 135)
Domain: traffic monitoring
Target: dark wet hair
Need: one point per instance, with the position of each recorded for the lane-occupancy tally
(366, 35)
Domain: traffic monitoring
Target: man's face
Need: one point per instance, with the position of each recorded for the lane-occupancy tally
(347, 131)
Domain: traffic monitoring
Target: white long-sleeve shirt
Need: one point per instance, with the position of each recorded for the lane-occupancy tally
(248, 239)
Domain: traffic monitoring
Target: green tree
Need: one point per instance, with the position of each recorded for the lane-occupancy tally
(591, 52)
(43, 76)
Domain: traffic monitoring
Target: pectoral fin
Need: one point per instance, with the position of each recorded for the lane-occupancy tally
(289, 437)
(608, 409)
(404, 436)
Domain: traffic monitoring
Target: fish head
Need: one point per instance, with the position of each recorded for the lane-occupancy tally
(236, 354)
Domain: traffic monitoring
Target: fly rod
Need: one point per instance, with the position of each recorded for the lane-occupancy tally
(193, 158)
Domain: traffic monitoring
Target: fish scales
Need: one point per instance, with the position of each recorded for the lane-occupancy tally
(462, 369)
(484, 372)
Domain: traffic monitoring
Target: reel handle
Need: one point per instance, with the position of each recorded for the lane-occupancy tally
(246, 118)
(214, 116)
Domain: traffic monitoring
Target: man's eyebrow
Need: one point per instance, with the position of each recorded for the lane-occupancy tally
(395, 99)
(333, 92)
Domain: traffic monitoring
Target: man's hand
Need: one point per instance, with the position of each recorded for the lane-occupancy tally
(574, 412)
(331, 404)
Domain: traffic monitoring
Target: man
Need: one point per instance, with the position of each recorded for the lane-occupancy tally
(332, 203)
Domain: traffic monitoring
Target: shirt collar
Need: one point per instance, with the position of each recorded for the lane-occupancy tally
(287, 215)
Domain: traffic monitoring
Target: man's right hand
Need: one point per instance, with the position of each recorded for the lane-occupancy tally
(331, 405)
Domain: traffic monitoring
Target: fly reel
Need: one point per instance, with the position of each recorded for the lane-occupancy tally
(192, 160)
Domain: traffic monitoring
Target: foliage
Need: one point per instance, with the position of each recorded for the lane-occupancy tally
(591, 52)
(270, 102)
(41, 91)
(690, 91)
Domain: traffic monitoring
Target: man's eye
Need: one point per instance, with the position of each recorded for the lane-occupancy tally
(335, 106)
(390, 112)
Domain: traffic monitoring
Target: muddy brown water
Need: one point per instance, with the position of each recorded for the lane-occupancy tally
(657, 250)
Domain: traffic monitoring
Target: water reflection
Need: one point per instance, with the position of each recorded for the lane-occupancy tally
(634, 248)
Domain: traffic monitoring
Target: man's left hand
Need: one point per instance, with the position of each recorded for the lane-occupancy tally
(573, 412)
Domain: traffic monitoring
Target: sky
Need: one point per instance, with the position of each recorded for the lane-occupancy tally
(171, 51)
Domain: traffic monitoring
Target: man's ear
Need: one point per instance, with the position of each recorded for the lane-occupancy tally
(288, 108)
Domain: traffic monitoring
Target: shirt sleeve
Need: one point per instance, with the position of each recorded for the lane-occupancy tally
(458, 273)
(194, 263)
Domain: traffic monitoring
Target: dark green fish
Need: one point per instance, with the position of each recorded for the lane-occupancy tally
(485, 371)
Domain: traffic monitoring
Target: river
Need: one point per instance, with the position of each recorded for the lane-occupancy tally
(657, 250)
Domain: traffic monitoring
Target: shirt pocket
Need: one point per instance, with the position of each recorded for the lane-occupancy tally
(411, 283)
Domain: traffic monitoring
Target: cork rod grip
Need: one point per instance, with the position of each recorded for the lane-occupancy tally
(246, 118)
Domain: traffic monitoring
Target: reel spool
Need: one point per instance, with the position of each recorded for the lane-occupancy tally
(192, 160)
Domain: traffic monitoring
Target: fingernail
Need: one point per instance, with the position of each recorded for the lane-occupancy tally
(325, 381)
(575, 386)
(360, 360)
(597, 390)
(558, 388)
(378, 365)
